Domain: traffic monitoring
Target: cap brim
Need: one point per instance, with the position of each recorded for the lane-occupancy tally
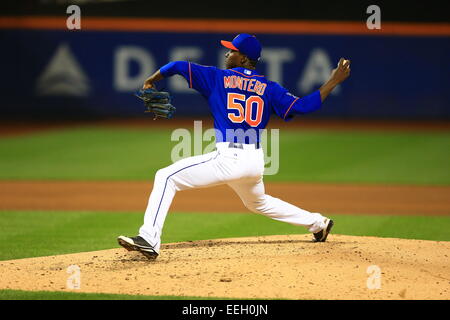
(229, 45)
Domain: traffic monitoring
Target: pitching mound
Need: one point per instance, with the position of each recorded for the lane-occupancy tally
(286, 267)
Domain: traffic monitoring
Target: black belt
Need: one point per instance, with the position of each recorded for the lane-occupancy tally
(240, 145)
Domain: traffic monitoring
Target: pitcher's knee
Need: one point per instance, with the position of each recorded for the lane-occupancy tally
(258, 206)
(162, 175)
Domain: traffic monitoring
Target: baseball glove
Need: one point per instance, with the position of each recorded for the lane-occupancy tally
(157, 102)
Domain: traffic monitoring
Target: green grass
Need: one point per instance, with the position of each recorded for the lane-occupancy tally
(30, 234)
(365, 157)
(51, 295)
(85, 154)
(311, 156)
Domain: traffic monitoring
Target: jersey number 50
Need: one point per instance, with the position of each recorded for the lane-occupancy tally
(237, 102)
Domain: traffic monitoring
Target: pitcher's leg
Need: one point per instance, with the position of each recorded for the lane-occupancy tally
(193, 172)
(253, 196)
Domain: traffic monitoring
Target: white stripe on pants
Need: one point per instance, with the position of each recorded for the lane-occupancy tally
(241, 169)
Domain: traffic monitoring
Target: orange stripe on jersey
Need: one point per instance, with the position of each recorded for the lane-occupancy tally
(190, 76)
(290, 108)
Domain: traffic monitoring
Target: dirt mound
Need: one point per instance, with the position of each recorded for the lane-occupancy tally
(286, 267)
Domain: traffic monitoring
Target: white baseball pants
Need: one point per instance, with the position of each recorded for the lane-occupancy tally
(241, 169)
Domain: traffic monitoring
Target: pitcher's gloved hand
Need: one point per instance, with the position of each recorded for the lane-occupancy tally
(157, 102)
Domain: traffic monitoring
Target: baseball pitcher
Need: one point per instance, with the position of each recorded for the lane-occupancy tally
(241, 101)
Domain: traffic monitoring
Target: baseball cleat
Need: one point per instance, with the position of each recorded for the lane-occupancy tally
(138, 244)
(321, 236)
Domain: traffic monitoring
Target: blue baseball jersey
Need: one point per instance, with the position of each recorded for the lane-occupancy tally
(241, 101)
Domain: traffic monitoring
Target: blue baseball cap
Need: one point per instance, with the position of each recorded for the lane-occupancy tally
(246, 44)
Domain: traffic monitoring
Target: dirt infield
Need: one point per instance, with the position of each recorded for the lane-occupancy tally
(282, 267)
(132, 196)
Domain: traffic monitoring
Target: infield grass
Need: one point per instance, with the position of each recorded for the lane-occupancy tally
(91, 153)
(30, 234)
(54, 295)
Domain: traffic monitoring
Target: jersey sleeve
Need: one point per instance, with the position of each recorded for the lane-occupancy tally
(200, 78)
(287, 105)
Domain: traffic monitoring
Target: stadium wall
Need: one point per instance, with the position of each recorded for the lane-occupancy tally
(399, 72)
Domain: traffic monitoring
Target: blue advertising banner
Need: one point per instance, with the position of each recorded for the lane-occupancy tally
(96, 72)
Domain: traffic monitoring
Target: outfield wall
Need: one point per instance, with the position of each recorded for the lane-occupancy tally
(47, 69)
